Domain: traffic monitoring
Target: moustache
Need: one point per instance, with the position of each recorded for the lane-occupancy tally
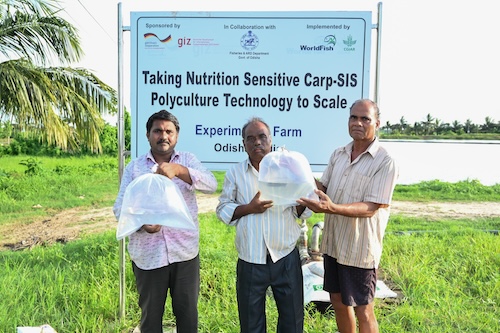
(163, 141)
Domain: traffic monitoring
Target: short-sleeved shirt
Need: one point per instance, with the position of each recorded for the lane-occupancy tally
(371, 177)
(275, 231)
(169, 245)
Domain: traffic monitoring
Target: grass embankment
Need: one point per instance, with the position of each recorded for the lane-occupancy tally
(449, 272)
(450, 136)
(39, 186)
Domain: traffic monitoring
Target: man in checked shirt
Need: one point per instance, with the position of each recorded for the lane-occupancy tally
(166, 258)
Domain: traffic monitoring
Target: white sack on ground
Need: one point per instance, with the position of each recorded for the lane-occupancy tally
(313, 273)
(38, 329)
(285, 176)
(152, 199)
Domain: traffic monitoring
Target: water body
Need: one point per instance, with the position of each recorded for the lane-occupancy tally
(446, 160)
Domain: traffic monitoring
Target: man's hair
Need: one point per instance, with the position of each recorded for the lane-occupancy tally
(366, 100)
(162, 115)
(252, 121)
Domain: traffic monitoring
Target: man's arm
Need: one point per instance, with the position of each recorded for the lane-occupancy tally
(191, 171)
(355, 209)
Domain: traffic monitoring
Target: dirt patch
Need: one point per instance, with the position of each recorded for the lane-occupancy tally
(72, 224)
(449, 210)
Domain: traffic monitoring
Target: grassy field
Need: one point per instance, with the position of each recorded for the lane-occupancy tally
(447, 270)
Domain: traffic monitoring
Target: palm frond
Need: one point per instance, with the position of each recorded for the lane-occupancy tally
(66, 105)
(63, 104)
(41, 39)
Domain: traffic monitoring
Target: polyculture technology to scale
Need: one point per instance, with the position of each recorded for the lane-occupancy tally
(170, 100)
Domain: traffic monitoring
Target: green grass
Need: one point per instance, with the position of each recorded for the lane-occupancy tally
(435, 190)
(447, 270)
(54, 184)
(449, 279)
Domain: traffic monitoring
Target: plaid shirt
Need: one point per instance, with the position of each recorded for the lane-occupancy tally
(169, 245)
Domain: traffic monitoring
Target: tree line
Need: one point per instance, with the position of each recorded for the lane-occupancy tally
(18, 140)
(432, 126)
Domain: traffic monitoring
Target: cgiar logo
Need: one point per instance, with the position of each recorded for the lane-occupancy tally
(249, 41)
(349, 44)
(330, 39)
(152, 35)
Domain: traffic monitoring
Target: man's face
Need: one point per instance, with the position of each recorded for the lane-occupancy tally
(363, 122)
(257, 141)
(162, 137)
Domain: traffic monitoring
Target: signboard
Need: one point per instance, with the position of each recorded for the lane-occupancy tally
(298, 71)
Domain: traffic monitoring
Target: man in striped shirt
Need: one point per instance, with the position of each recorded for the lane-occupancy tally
(266, 237)
(355, 192)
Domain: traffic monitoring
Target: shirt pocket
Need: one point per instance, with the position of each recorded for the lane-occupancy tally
(356, 188)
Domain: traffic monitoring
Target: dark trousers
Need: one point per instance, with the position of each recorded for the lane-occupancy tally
(183, 280)
(285, 279)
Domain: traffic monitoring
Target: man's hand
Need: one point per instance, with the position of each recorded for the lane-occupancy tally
(151, 228)
(354, 209)
(256, 206)
(259, 206)
(172, 170)
(167, 169)
(324, 205)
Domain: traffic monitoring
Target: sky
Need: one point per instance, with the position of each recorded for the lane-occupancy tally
(437, 57)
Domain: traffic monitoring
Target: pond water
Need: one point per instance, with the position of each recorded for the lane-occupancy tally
(445, 160)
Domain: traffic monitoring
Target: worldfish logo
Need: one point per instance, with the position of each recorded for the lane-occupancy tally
(330, 39)
(150, 35)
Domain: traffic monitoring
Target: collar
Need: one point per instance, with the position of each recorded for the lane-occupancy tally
(249, 164)
(372, 149)
(150, 156)
(250, 167)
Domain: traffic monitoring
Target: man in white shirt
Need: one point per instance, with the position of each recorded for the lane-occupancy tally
(266, 238)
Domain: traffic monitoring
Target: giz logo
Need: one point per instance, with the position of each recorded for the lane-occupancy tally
(184, 41)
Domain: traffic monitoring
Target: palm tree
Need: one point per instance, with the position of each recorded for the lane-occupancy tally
(387, 127)
(428, 124)
(418, 128)
(457, 127)
(468, 125)
(404, 124)
(63, 104)
(488, 126)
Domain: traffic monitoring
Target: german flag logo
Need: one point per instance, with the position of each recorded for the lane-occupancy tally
(150, 35)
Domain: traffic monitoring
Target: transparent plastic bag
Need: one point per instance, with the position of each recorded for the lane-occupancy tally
(285, 176)
(152, 199)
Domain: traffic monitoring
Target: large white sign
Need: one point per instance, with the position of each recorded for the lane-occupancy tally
(299, 71)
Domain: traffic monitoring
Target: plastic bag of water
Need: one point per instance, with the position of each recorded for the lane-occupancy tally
(285, 176)
(152, 199)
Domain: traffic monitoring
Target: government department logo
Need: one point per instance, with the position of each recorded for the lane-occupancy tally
(249, 41)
